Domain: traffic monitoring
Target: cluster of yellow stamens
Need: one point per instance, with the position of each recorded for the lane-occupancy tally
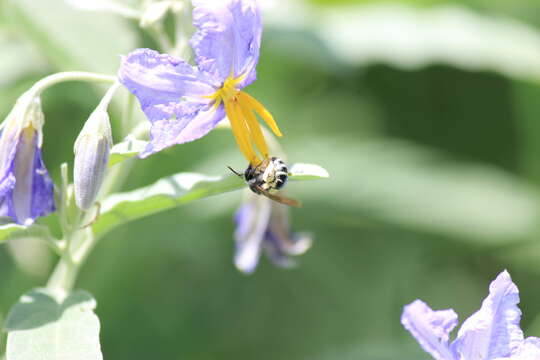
(241, 108)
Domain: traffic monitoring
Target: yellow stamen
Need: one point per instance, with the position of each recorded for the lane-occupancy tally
(255, 129)
(253, 157)
(261, 110)
(241, 133)
(240, 108)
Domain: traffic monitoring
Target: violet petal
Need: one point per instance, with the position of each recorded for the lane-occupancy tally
(430, 328)
(493, 331)
(228, 38)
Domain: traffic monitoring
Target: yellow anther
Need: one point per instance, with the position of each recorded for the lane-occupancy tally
(241, 133)
(28, 132)
(240, 108)
(261, 110)
(254, 128)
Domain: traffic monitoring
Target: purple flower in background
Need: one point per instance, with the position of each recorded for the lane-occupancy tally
(263, 225)
(492, 333)
(185, 102)
(26, 190)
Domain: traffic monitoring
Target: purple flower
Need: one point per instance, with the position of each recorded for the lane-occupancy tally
(185, 102)
(263, 225)
(492, 333)
(26, 190)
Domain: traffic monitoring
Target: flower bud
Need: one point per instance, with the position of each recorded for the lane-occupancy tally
(26, 189)
(91, 157)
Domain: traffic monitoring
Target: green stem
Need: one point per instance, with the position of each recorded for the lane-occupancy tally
(106, 99)
(63, 278)
(79, 240)
(78, 244)
(127, 115)
(54, 79)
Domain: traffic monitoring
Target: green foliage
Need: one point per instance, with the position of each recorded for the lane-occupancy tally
(178, 190)
(42, 327)
(14, 231)
(434, 185)
(125, 150)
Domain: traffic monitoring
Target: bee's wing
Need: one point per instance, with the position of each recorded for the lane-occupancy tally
(280, 199)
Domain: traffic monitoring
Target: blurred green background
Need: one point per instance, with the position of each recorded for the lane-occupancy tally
(426, 115)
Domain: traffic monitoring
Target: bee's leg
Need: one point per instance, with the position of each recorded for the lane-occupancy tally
(96, 216)
(234, 172)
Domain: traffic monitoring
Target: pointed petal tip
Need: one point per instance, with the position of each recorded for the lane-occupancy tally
(494, 330)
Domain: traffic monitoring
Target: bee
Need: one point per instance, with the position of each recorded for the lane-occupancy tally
(270, 175)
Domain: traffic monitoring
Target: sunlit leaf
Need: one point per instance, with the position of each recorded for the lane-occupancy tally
(41, 327)
(308, 172)
(125, 150)
(174, 191)
(15, 231)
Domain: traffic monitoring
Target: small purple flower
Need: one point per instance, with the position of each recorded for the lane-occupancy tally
(185, 102)
(492, 333)
(263, 225)
(26, 190)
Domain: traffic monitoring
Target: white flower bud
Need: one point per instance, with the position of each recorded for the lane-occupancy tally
(91, 157)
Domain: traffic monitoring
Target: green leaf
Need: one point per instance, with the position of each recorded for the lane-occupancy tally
(15, 231)
(125, 150)
(177, 190)
(303, 171)
(41, 327)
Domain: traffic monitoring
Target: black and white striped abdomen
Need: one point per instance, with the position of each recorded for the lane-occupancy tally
(280, 173)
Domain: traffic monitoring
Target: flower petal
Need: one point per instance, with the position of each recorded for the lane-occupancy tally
(279, 243)
(161, 81)
(42, 188)
(528, 350)
(493, 331)
(430, 328)
(280, 252)
(228, 38)
(189, 122)
(6, 201)
(251, 221)
(9, 141)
